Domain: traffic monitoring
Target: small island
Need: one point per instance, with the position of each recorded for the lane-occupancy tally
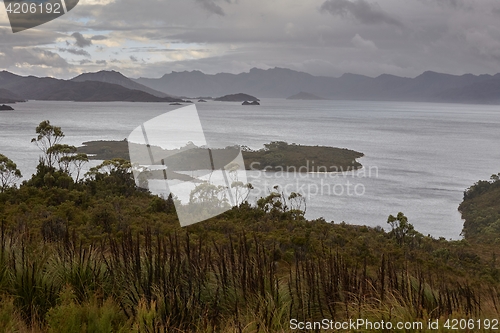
(250, 103)
(306, 97)
(4, 107)
(237, 98)
(275, 156)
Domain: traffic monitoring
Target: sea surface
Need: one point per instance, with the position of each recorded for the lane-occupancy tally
(419, 157)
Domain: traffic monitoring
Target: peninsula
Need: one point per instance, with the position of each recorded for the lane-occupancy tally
(275, 156)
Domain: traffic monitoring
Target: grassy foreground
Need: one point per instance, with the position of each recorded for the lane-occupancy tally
(103, 256)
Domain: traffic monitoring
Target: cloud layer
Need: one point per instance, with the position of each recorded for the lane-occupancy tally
(322, 37)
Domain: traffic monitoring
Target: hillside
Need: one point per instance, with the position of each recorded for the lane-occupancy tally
(33, 88)
(114, 77)
(8, 97)
(481, 211)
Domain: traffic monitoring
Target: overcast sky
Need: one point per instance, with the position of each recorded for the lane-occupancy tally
(149, 38)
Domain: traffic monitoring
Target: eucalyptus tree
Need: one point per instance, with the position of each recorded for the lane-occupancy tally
(9, 173)
(48, 136)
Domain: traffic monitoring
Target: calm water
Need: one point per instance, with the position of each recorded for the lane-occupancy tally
(421, 157)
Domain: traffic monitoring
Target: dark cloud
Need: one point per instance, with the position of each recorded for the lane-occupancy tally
(81, 41)
(134, 59)
(74, 51)
(361, 10)
(85, 61)
(101, 62)
(211, 7)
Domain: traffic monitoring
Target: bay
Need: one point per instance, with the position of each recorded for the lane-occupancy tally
(419, 157)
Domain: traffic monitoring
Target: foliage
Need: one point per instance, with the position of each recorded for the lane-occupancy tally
(481, 211)
(402, 230)
(281, 156)
(101, 255)
(9, 173)
(48, 136)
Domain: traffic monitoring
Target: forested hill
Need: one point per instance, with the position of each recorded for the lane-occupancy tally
(481, 211)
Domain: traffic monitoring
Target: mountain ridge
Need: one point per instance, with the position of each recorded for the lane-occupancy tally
(115, 77)
(35, 88)
(277, 82)
(429, 86)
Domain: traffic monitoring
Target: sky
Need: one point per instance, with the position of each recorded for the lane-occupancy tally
(149, 38)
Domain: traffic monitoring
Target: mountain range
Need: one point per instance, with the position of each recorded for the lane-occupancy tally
(283, 83)
(81, 90)
(271, 83)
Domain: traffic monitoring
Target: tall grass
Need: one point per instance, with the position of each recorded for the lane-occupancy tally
(186, 283)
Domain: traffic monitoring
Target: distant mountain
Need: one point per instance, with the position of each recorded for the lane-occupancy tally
(117, 78)
(305, 96)
(282, 83)
(34, 88)
(240, 97)
(8, 97)
(276, 83)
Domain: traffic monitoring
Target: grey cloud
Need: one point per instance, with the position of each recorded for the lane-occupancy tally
(447, 3)
(361, 10)
(81, 41)
(453, 3)
(33, 57)
(74, 51)
(30, 37)
(101, 62)
(437, 35)
(98, 37)
(212, 7)
(85, 61)
(134, 59)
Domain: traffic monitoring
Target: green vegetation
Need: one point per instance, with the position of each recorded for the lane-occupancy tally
(275, 156)
(101, 255)
(481, 211)
(282, 156)
(9, 173)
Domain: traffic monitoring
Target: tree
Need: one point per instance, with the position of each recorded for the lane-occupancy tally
(62, 154)
(401, 228)
(116, 166)
(78, 160)
(9, 173)
(48, 136)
